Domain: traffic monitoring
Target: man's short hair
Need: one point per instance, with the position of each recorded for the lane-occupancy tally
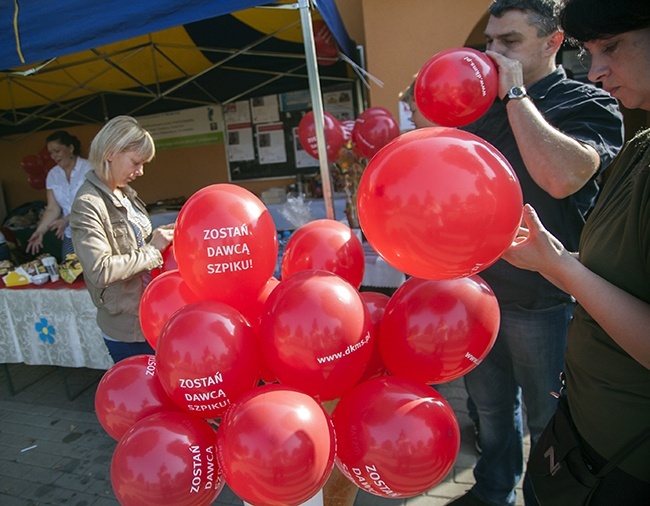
(543, 14)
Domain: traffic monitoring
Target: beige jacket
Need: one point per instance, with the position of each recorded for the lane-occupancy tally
(112, 262)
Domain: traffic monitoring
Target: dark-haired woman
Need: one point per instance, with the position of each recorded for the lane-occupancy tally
(607, 361)
(62, 183)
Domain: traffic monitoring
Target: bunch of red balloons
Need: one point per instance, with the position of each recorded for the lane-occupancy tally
(439, 204)
(37, 167)
(219, 323)
(372, 130)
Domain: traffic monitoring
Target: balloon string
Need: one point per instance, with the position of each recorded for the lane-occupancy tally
(20, 52)
(362, 73)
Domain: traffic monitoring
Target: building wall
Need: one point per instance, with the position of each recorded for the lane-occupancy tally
(401, 36)
(173, 173)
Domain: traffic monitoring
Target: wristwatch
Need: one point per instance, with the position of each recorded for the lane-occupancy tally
(516, 92)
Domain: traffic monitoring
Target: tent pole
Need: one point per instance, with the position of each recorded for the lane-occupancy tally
(317, 105)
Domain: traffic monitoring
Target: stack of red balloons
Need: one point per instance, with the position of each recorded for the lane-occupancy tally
(37, 167)
(438, 204)
(373, 129)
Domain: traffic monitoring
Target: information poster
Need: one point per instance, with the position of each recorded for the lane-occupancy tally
(339, 104)
(303, 159)
(237, 112)
(265, 109)
(295, 100)
(270, 143)
(198, 126)
(240, 142)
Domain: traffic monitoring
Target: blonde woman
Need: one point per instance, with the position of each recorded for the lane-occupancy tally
(113, 236)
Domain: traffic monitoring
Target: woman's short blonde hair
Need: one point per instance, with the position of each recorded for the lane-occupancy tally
(408, 94)
(120, 134)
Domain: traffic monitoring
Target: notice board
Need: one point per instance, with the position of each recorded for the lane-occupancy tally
(261, 133)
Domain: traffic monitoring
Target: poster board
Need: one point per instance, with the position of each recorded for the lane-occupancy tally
(198, 126)
(261, 133)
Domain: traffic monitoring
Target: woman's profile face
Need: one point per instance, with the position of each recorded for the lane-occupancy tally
(125, 167)
(417, 118)
(60, 153)
(621, 64)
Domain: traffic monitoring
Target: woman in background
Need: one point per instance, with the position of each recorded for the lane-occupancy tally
(62, 183)
(607, 361)
(408, 96)
(113, 236)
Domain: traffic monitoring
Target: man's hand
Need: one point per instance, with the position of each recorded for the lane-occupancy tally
(510, 72)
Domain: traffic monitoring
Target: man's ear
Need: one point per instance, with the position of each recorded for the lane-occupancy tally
(554, 42)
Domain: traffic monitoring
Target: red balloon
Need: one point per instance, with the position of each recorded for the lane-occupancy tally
(326, 245)
(207, 357)
(169, 262)
(376, 303)
(439, 203)
(46, 159)
(373, 129)
(334, 136)
(33, 165)
(165, 294)
(327, 52)
(37, 181)
(437, 331)
(254, 316)
(374, 111)
(456, 86)
(395, 437)
(129, 392)
(276, 446)
(225, 244)
(255, 310)
(348, 128)
(315, 334)
(167, 458)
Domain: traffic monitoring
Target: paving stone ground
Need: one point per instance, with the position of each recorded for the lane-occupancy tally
(53, 451)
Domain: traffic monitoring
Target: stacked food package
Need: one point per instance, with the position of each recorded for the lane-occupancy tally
(40, 270)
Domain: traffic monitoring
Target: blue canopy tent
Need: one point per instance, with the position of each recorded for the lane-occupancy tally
(75, 62)
(32, 32)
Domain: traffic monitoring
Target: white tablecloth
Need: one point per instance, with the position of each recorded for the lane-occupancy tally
(41, 326)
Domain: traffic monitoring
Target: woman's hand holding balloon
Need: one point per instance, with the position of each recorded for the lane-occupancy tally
(536, 249)
(162, 237)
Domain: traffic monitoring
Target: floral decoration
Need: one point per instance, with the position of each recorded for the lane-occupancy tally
(45, 331)
(349, 167)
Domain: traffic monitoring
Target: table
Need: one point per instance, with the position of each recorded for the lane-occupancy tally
(52, 324)
(378, 273)
(316, 209)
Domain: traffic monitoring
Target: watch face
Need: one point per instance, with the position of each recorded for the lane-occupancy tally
(517, 92)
